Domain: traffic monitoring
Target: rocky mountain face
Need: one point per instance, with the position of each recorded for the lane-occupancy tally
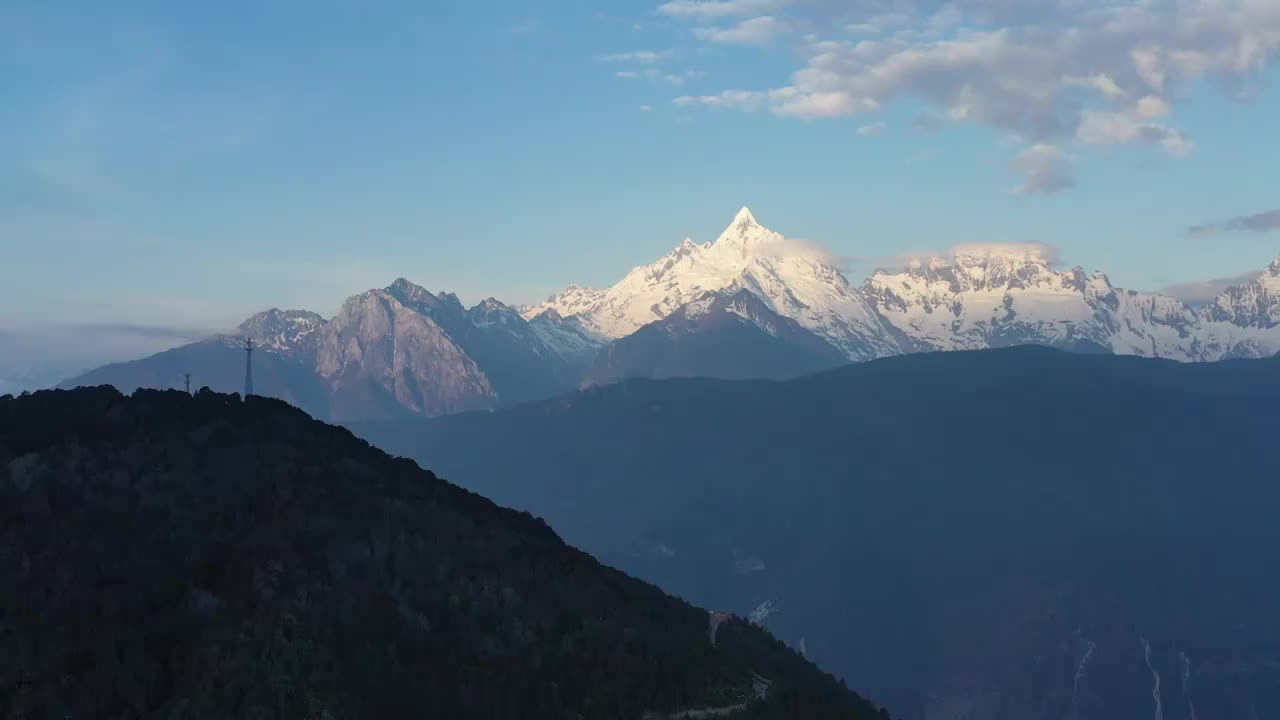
(727, 334)
(378, 356)
(568, 337)
(173, 556)
(292, 333)
(1016, 534)
(388, 353)
(792, 279)
(519, 364)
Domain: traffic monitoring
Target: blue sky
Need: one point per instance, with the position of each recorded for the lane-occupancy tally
(185, 164)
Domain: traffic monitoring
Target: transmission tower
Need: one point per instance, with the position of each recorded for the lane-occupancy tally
(186, 379)
(248, 367)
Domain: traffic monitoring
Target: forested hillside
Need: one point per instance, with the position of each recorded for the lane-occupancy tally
(203, 557)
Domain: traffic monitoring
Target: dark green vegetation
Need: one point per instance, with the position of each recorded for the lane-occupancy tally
(984, 535)
(178, 557)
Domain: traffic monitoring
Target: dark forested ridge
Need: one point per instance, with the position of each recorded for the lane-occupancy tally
(1019, 534)
(202, 557)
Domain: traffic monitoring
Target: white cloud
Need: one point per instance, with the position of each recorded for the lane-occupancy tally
(1045, 169)
(756, 31)
(646, 108)
(673, 79)
(643, 57)
(1055, 73)
(873, 129)
(1109, 128)
(1030, 251)
(1206, 291)
(1260, 223)
(1153, 106)
(714, 9)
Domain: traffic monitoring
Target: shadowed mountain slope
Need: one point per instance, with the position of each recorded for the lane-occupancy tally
(1009, 530)
(199, 557)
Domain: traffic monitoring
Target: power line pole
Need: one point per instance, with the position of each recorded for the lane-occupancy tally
(186, 378)
(248, 367)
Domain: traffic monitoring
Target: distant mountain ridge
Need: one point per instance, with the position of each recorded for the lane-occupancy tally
(752, 303)
(389, 352)
(982, 296)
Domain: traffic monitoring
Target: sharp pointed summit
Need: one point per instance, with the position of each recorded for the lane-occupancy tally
(745, 231)
(796, 286)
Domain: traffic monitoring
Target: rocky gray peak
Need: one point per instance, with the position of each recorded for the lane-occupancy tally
(288, 332)
(412, 295)
(494, 312)
(377, 341)
(445, 307)
(567, 336)
(547, 316)
(451, 301)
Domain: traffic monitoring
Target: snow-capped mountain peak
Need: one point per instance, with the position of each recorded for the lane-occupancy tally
(747, 255)
(1244, 321)
(744, 233)
(491, 312)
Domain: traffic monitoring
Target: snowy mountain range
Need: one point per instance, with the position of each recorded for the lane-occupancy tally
(750, 304)
(982, 296)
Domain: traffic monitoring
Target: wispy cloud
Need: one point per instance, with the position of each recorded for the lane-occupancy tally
(928, 122)
(1032, 251)
(675, 79)
(806, 248)
(873, 129)
(1045, 169)
(716, 9)
(643, 57)
(1206, 291)
(177, 333)
(1259, 223)
(756, 31)
(1055, 74)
